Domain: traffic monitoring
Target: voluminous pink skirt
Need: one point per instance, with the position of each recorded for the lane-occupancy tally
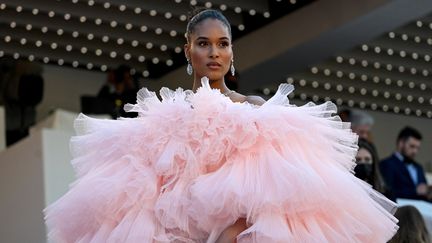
(191, 164)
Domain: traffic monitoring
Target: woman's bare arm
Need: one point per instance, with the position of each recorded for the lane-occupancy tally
(251, 99)
(256, 100)
(230, 234)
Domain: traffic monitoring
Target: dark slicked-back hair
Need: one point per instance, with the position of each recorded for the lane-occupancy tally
(202, 15)
(408, 132)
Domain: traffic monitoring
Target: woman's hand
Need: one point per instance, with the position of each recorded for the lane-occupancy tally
(230, 234)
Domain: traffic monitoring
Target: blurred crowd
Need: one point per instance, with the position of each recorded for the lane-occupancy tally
(397, 176)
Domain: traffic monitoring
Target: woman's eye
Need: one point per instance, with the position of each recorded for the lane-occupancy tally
(202, 43)
(224, 44)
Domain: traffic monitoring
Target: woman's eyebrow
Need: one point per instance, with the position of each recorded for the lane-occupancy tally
(205, 38)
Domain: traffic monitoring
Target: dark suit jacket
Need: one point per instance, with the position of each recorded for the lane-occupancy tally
(398, 179)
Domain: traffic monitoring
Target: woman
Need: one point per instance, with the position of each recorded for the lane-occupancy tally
(209, 53)
(412, 227)
(212, 165)
(367, 167)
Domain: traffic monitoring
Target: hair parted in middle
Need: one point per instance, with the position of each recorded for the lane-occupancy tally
(201, 15)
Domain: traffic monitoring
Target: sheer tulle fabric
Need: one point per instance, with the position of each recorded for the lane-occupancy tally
(191, 164)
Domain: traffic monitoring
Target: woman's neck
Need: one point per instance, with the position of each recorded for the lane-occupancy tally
(214, 84)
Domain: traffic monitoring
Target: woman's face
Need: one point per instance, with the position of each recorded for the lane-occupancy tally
(209, 50)
(363, 157)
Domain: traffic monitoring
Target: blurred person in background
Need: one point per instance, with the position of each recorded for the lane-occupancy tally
(361, 122)
(367, 167)
(22, 87)
(412, 227)
(402, 174)
(119, 90)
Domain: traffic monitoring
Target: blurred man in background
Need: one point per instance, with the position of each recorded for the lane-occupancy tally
(403, 176)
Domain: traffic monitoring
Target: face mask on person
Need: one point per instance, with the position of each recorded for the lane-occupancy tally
(363, 171)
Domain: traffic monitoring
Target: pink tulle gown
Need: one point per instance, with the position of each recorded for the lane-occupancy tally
(192, 164)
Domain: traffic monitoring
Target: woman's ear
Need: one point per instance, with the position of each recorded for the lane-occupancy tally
(187, 51)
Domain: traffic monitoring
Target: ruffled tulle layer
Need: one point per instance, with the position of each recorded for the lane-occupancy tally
(191, 164)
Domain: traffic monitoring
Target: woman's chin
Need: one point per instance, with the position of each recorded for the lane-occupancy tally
(213, 76)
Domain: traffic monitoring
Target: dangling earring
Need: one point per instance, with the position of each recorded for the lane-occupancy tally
(189, 69)
(232, 68)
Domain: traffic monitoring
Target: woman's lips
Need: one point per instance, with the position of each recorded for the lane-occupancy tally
(214, 65)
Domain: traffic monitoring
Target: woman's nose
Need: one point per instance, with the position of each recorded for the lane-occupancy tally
(214, 52)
